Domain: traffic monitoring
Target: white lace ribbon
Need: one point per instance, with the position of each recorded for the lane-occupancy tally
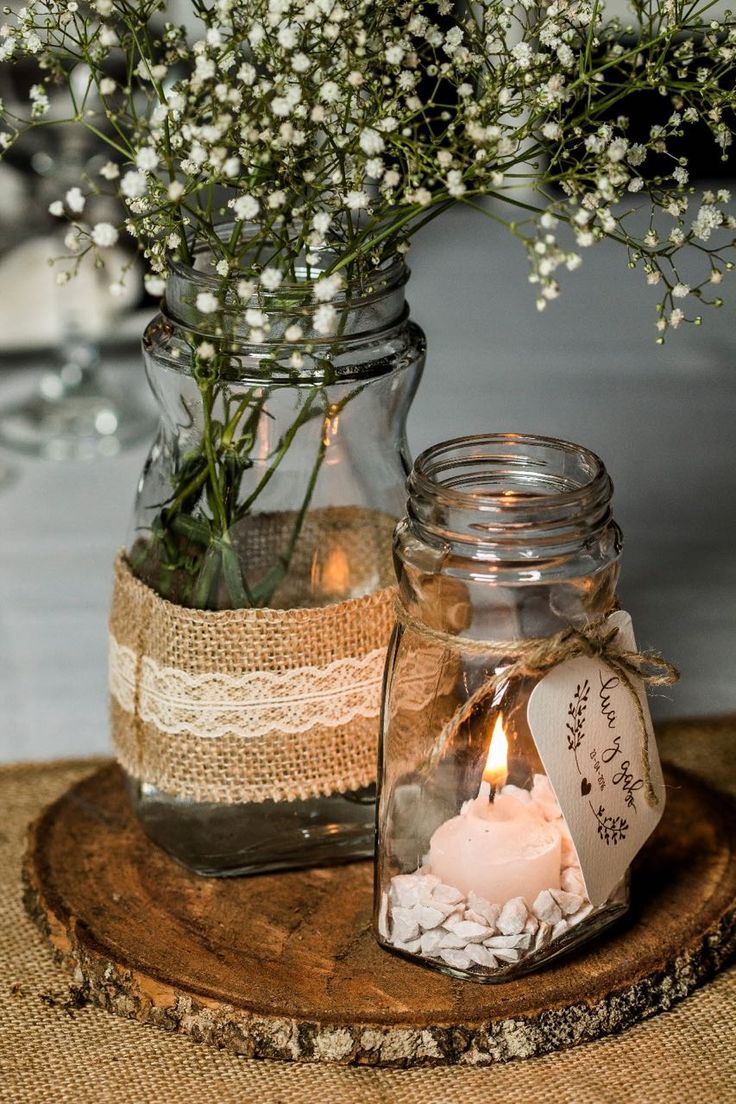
(250, 705)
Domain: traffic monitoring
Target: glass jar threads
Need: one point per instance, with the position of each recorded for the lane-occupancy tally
(508, 543)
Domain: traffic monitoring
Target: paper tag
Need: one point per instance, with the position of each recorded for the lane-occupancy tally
(587, 728)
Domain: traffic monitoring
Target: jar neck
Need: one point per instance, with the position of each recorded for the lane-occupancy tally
(513, 498)
(363, 308)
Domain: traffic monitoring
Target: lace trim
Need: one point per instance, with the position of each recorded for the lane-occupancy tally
(250, 705)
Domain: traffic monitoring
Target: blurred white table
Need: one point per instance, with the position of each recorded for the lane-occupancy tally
(588, 370)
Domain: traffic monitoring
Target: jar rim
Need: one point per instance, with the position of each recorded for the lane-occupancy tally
(392, 274)
(475, 450)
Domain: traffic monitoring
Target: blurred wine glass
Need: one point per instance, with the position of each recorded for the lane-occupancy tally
(80, 407)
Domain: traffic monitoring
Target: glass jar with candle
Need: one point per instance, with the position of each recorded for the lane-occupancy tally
(507, 539)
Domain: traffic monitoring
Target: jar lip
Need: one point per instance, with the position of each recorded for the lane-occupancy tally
(489, 447)
(391, 275)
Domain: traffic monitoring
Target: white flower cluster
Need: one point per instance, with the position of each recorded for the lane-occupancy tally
(299, 137)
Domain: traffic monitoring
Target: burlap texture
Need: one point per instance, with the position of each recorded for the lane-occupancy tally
(54, 1051)
(277, 765)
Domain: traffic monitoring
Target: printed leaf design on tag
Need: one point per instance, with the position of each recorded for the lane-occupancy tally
(587, 729)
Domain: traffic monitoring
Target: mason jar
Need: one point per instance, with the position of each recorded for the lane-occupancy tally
(267, 501)
(507, 538)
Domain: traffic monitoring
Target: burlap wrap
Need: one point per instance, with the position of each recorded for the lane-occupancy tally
(246, 705)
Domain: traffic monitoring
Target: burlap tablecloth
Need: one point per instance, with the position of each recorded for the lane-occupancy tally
(52, 1051)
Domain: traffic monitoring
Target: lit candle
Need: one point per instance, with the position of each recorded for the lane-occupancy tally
(497, 847)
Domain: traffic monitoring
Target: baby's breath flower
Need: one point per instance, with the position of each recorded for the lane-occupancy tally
(357, 201)
(104, 235)
(75, 200)
(146, 159)
(133, 185)
(325, 319)
(154, 285)
(327, 287)
(206, 302)
(271, 278)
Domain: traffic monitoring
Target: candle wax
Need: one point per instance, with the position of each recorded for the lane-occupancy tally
(499, 850)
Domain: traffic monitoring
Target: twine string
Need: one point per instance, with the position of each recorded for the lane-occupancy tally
(536, 656)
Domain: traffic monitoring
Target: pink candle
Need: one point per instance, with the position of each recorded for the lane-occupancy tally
(497, 847)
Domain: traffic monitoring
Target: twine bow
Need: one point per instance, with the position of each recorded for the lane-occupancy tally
(535, 657)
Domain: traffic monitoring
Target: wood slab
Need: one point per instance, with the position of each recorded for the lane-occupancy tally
(284, 965)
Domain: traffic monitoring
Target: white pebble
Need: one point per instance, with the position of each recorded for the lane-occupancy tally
(543, 935)
(430, 942)
(506, 954)
(429, 917)
(412, 947)
(580, 915)
(516, 942)
(403, 930)
(568, 902)
(410, 889)
(458, 959)
(471, 914)
(449, 939)
(448, 895)
(470, 932)
(485, 909)
(477, 953)
(513, 916)
(546, 908)
(559, 929)
(454, 916)
(531, 924)
(572, 881)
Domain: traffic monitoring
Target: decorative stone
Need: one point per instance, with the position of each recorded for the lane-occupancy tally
(546, 908)
(559, 929)
(405, 927)
(543, 936)
(413, 947)
(458, 959)
(506, 954)
(568, 902)
(513, 916)
(409, 889)
(449, 939)
(429, 917)
(484, 908)
(516, 942)
(531, 924)
(431, 941)
(471, 914)
(478, 954)
(581, 914)
(470, 932)
(572, 881)
(448, 895)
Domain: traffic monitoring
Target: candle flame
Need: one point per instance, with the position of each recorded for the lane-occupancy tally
(496, 768)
